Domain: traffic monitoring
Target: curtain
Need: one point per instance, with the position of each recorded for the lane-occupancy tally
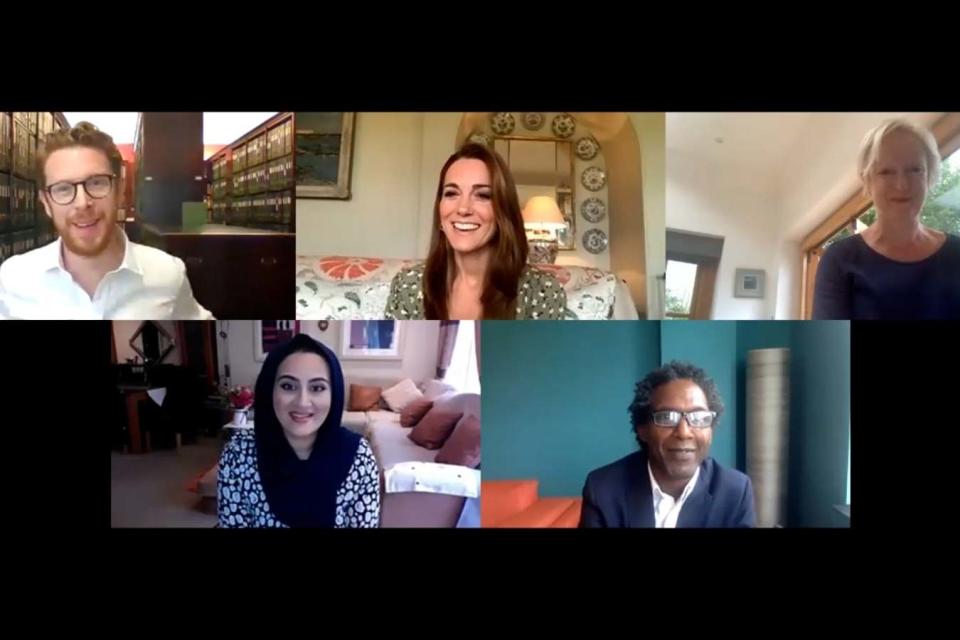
(448, 338)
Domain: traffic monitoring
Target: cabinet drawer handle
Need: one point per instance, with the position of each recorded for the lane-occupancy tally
(268, 261)
(193, 261)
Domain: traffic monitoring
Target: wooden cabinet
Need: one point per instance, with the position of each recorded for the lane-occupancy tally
(236, 273)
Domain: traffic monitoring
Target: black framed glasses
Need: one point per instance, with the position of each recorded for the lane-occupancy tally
(698, 419)
(97, 187)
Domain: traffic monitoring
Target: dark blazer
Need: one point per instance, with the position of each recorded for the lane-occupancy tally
(619, 495)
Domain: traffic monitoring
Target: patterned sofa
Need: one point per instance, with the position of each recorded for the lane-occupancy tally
(352, 288)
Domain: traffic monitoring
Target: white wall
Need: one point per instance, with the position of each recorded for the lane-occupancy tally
(702, 198)
(123, 330)
(651, 130)
(380, 219)
(396, 164)
(418, 347)
(438, 143)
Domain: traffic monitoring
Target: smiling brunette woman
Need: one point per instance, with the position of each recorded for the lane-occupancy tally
(477, 264)
(299, 467)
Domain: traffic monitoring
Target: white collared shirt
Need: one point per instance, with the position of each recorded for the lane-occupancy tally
(666, 510)
(149, 284)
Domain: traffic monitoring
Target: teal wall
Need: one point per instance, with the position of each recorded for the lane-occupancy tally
(820, 424)
(555, 397)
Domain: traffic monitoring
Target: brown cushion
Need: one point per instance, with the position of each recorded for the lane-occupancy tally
(414, 411)
(363, 398)
(434, 428)
(463, 445)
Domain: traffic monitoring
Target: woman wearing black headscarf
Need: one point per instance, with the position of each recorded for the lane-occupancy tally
(299, 467)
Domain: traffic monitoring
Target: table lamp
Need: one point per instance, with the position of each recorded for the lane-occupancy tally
(542, 219)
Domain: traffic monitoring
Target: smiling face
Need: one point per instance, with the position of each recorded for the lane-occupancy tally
(87, 224)
(897, 180)
(676, 452)
(466, 209)
(302, 395)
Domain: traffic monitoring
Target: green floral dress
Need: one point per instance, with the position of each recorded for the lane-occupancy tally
(539, 296)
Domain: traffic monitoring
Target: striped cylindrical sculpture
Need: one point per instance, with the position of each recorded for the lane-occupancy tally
(768, 421)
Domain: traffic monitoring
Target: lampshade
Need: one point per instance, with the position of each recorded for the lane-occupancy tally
(543, 213)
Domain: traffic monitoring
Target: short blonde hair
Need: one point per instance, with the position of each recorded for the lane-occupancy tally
(871, 146)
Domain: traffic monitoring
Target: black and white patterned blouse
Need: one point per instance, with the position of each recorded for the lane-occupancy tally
(540, 296)
(242, 502)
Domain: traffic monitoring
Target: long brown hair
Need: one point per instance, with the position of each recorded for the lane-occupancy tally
(509, 243)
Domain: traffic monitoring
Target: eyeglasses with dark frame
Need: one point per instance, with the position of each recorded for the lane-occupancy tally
(97, 187)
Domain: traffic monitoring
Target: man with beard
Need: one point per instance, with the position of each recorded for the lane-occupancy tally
(93, 271)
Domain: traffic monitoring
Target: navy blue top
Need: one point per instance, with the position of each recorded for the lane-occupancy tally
(618, 495)
(854, 282)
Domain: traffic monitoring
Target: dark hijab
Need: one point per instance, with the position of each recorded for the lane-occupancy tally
(302, 493)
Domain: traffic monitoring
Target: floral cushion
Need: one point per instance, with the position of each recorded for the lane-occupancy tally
(352, 288)
(590, 292)
(344, 288)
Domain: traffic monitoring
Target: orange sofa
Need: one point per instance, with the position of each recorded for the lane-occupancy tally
(517, 504)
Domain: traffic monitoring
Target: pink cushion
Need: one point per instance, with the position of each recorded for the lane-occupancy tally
(434, 428)
(413, 412)
(463, 445)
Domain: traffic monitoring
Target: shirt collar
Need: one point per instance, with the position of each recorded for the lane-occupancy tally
(53, 258)
(659, 493)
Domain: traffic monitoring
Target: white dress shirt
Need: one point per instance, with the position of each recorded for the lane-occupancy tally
(666, 510)
(149, 284)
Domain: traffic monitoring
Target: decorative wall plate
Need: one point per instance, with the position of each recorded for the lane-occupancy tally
(533, 121)
(563, 125)
(502, 123)
(593, 178)
(587, 148)
(595, 241)
(593, 210)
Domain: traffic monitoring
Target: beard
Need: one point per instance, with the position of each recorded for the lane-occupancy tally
(86, 247)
